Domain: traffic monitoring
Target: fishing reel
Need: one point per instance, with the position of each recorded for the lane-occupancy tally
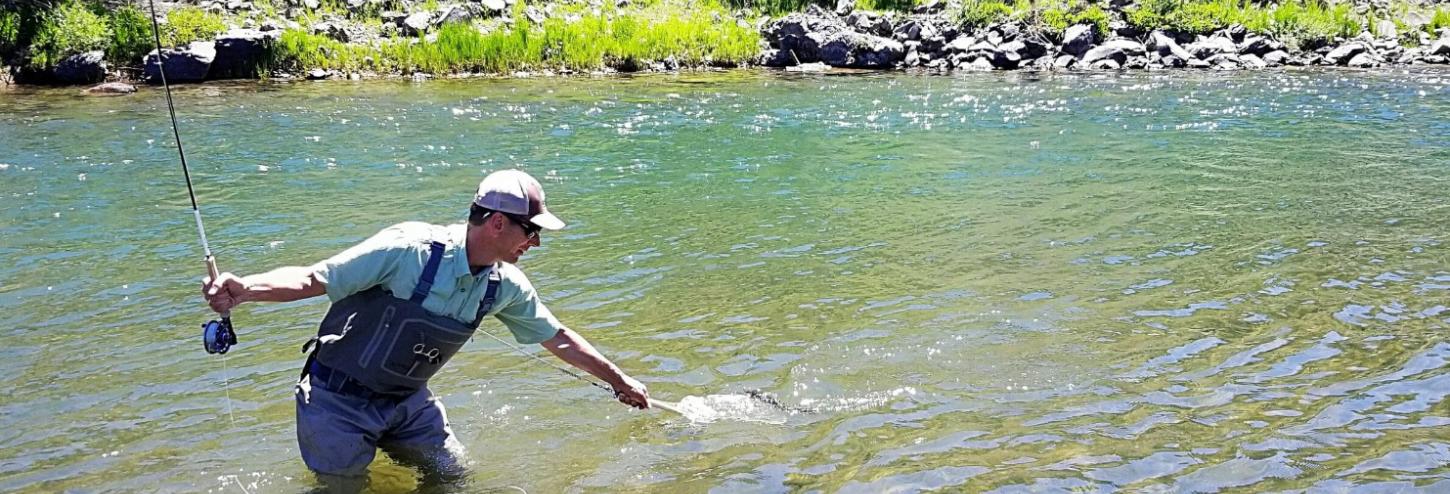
(217, 336)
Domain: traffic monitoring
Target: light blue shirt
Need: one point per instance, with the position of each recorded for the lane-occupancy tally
(394, 258)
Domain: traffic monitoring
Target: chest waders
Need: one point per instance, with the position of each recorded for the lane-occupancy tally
(388, 345)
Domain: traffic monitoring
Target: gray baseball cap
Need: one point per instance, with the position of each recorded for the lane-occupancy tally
(516, 193)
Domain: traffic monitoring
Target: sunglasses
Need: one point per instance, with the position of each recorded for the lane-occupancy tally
(531, 231)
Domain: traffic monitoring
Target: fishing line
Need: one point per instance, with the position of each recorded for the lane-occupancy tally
(217, 336)
(653, 402)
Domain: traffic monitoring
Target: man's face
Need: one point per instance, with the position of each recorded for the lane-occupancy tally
(519, 235)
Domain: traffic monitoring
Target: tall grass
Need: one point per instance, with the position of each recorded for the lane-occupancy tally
(691, 37)
(131, 35)
(776, 8)
(9, 31)
(188, 24)
(1441, 19)
(1304, 21)
(1054, 16)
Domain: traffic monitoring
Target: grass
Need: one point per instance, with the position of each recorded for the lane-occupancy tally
(700, 35)
(9, 31)
(131, 35)
(1307, 22)
(1051, 16)
(68, 29)
(188, 24)
(1441, 19)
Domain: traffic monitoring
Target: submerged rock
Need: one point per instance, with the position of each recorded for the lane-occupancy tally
(111, 88)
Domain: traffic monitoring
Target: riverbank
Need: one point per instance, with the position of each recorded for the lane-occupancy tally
(87, 43)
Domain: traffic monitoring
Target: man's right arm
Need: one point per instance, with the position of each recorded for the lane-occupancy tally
(279, 285)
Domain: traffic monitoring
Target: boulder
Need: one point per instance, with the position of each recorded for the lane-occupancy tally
(1064, 61)
(772, 57)
(241, 53)
(1033, 47)
(1105, 64)
(1440, 47)
(1344, 53)
(495, 7)
(82, 68)
(1175, 61)
(1363, 60)
(1206, 48)
(1077, 40)
(416, 24)
(853, 49)
(1386, 29)
(1276, 58)
(1009, 55)
(962, 44)
(189, 64)
(1251, 61)
(1165, 45)
(111, 88)
(1255, 45)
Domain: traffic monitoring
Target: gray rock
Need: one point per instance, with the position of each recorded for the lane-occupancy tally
(82, 68)
(311, 4)
(189, 64)
(241, 53)
(1206, 48)
(981, 63)
(1440, 47)
(1007, 59)
(112, 88)
(772, 57)
(416, 23)
(962, 44)
(318, 74)
(1033, 48)
(1276, 58)
(1386, 29)
(1251, 61)
(907, 31)
(1198, 63)
(1077, 40)
(1363, 60)
(1255, 45)
(844, 7)
(495, 6)
(1136, 62)
(1411, 55)
(853, 49)
(1344, 53)
(1165, 45)
(1105, 64)
(1104, 52)
(1064, 61)
(1176, 61)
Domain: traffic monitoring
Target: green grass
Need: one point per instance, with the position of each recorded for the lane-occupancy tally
(1439, 20)
(188, 24)
(131, 35)
(692, 36)
(778, 8)
(1053, 16)
(1306, 22)
(9, 31)
(68, 29)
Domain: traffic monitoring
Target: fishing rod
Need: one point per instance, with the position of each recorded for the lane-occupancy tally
(217, 336)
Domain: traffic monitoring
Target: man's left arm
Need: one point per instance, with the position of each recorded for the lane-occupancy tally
(574, 349)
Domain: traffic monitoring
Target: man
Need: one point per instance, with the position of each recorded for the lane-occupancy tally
(403, 302)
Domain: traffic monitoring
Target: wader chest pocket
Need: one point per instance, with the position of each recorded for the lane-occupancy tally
(420, 347)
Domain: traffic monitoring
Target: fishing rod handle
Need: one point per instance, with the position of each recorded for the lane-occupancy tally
(212, 270)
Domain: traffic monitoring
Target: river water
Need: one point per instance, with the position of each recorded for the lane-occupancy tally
(1179, 282)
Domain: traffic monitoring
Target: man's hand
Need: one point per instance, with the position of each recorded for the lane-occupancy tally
(225, 292)
(632, 393)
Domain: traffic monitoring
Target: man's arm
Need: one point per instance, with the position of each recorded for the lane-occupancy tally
(279, 285)
(574, 349)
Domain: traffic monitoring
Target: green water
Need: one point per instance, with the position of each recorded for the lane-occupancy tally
(1185, 282)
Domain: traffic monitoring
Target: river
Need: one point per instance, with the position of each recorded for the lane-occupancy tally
(1142, 282)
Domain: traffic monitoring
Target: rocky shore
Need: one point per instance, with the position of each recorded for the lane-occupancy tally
(926, 39)
(929, 37)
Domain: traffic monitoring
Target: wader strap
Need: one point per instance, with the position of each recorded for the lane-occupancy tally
(489, 294)
(425, 281)
(309, 348)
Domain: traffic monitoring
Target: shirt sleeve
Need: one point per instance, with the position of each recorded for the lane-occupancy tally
(526, 316)
(364, 265)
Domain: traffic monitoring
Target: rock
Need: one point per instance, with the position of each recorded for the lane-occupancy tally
(1254, 45)
(1276, 58)
(1176, 61)
(311, 4)
(1033, 48)
(1206, 48)
(1064, 61)
(1252, 61)
(189, 64)
(112, 88)
(1411, 55)
(1363, 60)
(907, 31)
(495, 6)
(82, 68)
(416, 24)
(1198, 63)
(1344, 53)
(853, 49)
(1165, 45)
(458, 14)
(772, 57)
(928, 7)
(1105, 64)
(1136, 62)
(981, 63)
(1225, 60)
(1006, 58)
(1077, 40)
(1235, 32)
(318, 74)
(241, 53)
(1440, 47)
(962, 44)
(844, 7)
(1104, 52)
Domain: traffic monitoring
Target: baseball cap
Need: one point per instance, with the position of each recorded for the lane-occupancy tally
(516, 193)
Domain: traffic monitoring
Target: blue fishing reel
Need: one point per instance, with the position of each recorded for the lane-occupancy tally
(217, 336)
